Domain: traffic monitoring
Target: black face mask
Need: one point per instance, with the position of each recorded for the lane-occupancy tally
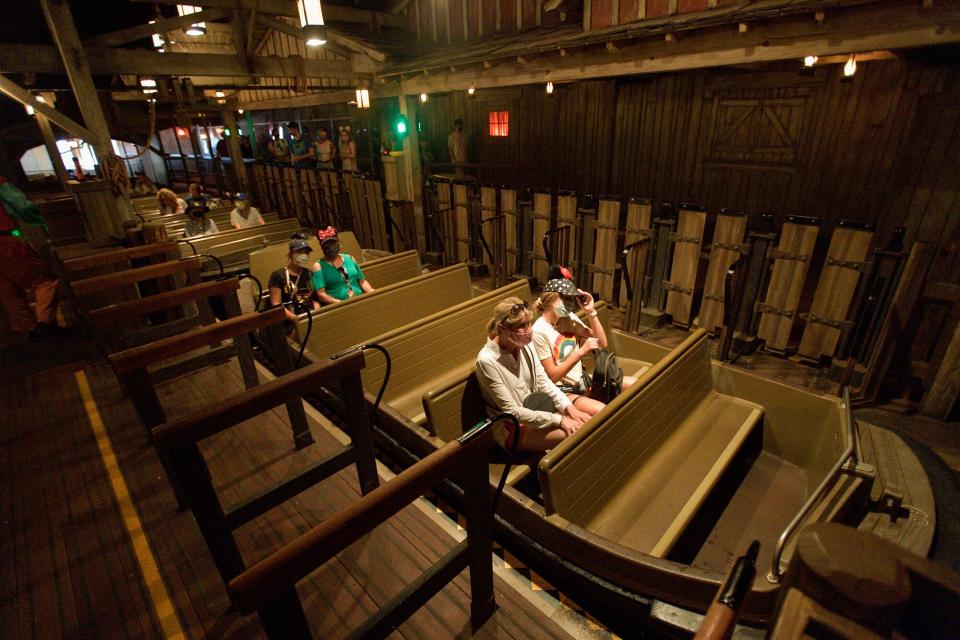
(331, 250)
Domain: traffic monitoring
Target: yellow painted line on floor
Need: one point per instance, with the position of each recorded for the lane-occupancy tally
(162, 604)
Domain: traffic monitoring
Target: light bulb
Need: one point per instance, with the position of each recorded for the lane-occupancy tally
(850, 67)
(423, 97)
(550, 88)
(809, 61)
(472, 90)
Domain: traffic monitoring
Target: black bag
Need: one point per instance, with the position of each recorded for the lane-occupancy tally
(607, 376)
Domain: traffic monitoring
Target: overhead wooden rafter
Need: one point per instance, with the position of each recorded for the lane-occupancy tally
(104, 61)
(331, 12)
(334, 37)
(123, 36)
(12, 90)
(894, 25)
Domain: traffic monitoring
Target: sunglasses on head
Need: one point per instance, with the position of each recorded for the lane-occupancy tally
(344, 274)
(518, 308)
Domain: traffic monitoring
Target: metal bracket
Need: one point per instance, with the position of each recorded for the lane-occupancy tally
(679, 238)
(778, 254)
(763, 307)
(742, 249)
(540, 216)
(841, 325)
(672, 286)
(644, 233)
(714, 297)
(849, 264)
(487, 208)
(601, 225)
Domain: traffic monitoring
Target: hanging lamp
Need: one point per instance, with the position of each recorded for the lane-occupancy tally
(311, 21)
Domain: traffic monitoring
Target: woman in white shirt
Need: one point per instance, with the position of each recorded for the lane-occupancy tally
(169, 202)
(243, 215)
(509, 372)
(562, 340)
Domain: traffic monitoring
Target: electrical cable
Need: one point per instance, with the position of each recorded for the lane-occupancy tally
(256, 307)
(514, 446)
(303, 341)
(192, 246)
(386, 374)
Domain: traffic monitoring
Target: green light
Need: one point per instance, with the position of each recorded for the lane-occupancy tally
(15, 233)
(401, 127)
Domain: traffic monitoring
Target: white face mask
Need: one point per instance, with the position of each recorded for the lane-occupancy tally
(561, 310)
(301, 259)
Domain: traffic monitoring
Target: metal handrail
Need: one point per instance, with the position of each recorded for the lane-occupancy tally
(851, 451)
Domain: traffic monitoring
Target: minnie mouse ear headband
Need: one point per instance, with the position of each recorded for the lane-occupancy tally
(562, 286)
(324, 234)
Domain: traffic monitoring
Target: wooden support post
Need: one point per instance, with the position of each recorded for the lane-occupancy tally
(412, 171)
(283, 361)
(478, 506)
(283, 617)
(361, 432)
(64, 32)
(236, 156)
(50, 142)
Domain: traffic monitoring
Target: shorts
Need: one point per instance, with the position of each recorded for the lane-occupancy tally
(503, 432)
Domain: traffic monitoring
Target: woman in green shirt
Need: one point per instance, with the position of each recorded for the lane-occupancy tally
(336, 276)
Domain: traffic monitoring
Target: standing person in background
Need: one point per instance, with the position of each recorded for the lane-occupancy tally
(170, 203)
(301, 147)
(348, 150)
(278, 147)
(325, 149)
(243, 215)
(22, 268)
(457, 145)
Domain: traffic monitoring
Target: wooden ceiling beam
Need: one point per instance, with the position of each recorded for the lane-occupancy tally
(331, 12)
(123, 36)
(45, 59)
(295, 32)
(309, 100)
(868, 28)
(14, 91)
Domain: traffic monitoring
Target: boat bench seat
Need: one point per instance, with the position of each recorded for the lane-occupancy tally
(355, 321)
(435, 350)
(639, 471)
(236, 244)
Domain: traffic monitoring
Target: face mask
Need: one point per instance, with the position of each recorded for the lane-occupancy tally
(561, 310)
(331, 250)
(519, 339)
(301, 259)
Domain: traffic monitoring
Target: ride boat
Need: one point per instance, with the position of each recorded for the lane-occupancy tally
(646, 506)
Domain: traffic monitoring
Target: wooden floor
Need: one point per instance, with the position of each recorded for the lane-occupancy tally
(73, 555)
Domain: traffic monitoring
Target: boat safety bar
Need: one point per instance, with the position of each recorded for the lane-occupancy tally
(851, 451)
(269, 587)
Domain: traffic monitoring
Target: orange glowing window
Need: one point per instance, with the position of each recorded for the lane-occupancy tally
(499, 124)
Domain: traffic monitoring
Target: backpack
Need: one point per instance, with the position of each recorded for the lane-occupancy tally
(607, 376)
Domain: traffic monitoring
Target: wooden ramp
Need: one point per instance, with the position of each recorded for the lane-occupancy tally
(70, 569)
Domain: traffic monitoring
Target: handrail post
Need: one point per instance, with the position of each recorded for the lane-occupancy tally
(361, 431)
(277, 339)
(478, 509)
(283, 617)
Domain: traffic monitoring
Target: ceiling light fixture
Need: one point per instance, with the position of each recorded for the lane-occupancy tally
(472, 90)
(311, 21)
(424, 97)
(549, 88)
(219, 93)
(30, 110)
(363, 98)
(809, 61)
(196, 29)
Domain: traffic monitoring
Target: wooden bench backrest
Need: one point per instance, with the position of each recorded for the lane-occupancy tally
(133, 276)
(263, 234)
(108, 258)
(350, 244)
(582, 472)
(392, 269)
(425, 351)
(340, 326)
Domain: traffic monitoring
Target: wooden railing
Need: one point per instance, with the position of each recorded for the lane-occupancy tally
(135, 275)
(269, 587)
(108, 258)
(179, 442)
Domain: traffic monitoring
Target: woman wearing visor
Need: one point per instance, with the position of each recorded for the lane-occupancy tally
(562, 340)
(290, 286)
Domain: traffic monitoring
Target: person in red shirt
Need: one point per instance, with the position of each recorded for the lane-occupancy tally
(22, 268)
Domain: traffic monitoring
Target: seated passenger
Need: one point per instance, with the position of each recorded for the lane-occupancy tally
(243, 215)
(512, 379)
(336, 276)
(144, 185)
(291, 285)
(195, 190)
(562, 340)
(199, 224)
(170, 203)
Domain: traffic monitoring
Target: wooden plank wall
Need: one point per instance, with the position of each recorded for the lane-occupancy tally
(770, 141)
